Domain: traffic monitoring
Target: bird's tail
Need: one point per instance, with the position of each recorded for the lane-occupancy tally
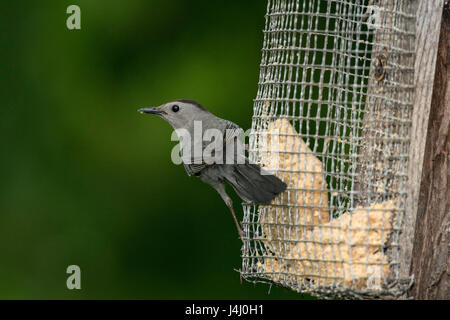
(251, 185)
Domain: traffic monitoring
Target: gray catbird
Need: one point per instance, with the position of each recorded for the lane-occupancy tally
(225, 160)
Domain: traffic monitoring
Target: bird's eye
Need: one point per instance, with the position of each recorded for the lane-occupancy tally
(175, 108)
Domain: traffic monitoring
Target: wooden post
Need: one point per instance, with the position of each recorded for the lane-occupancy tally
(430, 255)
(391, 80)
(429, 13)
(426, 224)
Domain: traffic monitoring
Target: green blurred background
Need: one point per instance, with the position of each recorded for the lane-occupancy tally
(86, 180)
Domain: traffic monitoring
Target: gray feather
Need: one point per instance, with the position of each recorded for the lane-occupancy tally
(251, 185)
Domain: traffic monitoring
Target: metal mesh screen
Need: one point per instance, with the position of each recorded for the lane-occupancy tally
(332, 119)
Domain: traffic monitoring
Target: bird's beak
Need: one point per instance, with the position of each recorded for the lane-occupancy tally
(152, 110)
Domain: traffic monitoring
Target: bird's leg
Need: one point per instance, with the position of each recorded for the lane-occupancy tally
(221, 190)
(241, 232)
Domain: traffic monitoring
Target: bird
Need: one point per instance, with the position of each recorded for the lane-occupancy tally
(220, 160)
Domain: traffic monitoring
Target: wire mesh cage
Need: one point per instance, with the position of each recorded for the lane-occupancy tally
(332, 119)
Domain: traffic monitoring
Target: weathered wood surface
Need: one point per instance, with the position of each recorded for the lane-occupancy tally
(429, 13)
(380, 169)
(430, 256)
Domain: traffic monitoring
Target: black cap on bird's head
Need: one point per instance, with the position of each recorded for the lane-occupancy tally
(179, 113)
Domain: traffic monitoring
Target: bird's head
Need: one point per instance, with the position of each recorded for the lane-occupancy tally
(179, 113)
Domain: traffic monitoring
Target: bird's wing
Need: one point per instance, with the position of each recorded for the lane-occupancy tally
(229, 149)
(232, 131)
(194, 169)
(231, 144)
